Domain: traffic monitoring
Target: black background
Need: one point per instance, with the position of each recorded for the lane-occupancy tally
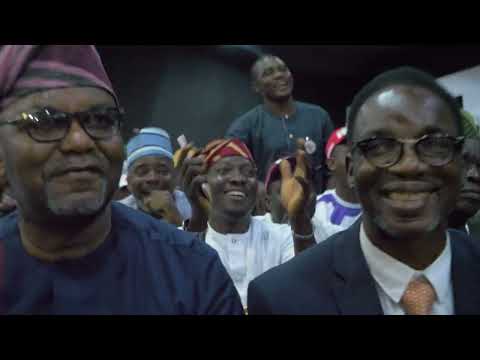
(199, 90)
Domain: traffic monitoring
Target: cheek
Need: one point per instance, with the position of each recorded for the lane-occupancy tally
(113, 150)
(27, 162)
(115, 155)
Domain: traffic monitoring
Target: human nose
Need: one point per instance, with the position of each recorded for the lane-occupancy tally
(76, 139)
(409, 162)
(237, 176)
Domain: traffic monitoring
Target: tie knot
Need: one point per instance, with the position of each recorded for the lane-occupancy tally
(419, 297)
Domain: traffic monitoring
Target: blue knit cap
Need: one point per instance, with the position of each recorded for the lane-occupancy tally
(149, 142)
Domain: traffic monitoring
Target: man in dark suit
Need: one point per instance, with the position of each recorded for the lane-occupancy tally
(405, 139)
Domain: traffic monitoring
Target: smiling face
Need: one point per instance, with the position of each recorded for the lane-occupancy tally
(410, 197)
(469, 200)
(233, 186)
(76, 176)
(150, 173)
(273, 79)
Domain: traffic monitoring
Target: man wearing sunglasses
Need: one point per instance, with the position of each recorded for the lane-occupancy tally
(405, 163)
(68, 249)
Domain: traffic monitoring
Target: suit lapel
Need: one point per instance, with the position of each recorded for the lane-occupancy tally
(354, 287)
(465, 274)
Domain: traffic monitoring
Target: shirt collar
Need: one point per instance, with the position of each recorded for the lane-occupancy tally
(394, 276)
(218, 237)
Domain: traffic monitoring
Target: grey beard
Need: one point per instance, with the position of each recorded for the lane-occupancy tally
(68, 208)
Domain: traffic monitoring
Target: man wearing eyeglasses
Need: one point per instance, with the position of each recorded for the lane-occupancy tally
(68, 249)
(405, 163)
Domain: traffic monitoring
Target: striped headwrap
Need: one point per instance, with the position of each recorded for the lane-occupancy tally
(27, 69)
(219, 149)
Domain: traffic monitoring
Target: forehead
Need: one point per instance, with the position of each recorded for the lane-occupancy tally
(68, 100)
(232, 161)
(404, 111)
(153, 161)
(268, 62)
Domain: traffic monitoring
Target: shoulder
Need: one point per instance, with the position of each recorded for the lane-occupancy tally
(181, 267)
(465, 244)
(312, 108)
(327, 195)
(248, 117)
(157, 235)
(311, 264)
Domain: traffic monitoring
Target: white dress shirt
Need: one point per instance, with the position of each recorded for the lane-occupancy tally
(392, 278)
(247, 256)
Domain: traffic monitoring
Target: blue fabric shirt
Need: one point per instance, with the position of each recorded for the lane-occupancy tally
(145, 266)
(270, 137)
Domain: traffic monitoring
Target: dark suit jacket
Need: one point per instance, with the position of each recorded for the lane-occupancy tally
(333, 278)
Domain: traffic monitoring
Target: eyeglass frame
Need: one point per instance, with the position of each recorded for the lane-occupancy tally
(458, 141)
(28, 116)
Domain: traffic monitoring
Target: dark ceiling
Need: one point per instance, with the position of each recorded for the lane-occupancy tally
(328, 75)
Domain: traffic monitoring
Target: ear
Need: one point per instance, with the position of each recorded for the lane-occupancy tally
(268, 203)
(128, 183)
(256, 88)
(350, 172)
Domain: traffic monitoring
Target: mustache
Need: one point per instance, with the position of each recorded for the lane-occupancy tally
(64, 167)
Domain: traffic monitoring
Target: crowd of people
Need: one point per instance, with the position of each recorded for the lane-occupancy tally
(284, 215)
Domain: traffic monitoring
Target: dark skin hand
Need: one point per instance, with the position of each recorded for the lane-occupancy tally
(192, 174)
(296, 199)
(161, 204)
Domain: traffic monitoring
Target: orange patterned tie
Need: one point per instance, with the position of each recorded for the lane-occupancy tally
(419, 297)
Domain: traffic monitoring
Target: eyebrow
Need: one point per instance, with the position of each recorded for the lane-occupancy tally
(36, 107)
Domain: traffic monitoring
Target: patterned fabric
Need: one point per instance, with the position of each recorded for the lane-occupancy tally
(27, 69)
(470, 126)
(219, 149)
(419, 297)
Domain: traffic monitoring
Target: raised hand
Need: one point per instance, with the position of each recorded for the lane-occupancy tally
(161, 204)
(294, 191)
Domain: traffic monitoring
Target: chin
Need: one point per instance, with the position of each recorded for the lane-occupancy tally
(403, 228)
(238, 213)
(468, 208)
(87, 208)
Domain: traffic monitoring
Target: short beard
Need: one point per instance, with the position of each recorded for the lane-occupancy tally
(78, 208)
(378, 220)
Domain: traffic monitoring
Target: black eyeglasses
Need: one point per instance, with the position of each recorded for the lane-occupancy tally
(49, 125)
(434, 150)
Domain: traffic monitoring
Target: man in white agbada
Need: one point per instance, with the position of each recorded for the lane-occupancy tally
(221, 183)
(337, 209)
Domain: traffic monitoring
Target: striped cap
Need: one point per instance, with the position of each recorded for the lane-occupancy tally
(150, 141)
(27, 69)
(216, 150)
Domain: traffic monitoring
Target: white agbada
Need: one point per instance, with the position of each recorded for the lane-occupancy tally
(247, 256)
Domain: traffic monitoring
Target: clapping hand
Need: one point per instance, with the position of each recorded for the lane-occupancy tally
(295, 191)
